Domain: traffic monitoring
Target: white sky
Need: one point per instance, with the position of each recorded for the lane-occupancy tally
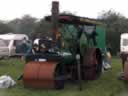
(10, 9)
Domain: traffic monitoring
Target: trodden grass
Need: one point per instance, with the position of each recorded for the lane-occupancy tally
(106, 85)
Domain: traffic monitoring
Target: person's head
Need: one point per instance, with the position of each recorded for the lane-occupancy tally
(24, 40)
(36, 47)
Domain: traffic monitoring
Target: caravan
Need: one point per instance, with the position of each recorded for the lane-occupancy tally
(8, 43)
(124, 43)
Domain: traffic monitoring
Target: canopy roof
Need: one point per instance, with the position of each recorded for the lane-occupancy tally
(72, 19)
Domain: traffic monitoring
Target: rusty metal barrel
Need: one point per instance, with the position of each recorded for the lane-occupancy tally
(40, 74)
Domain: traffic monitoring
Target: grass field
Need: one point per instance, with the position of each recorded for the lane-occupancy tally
(106, 85)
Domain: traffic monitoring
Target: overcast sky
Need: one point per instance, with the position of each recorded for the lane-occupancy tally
(10, 9)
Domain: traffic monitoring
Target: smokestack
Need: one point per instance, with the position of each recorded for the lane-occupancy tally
(55, 15)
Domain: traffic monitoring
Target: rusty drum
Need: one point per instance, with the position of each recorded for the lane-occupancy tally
(39, 74)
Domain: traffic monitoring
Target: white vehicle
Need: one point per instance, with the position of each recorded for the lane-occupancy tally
(8, 43)
(124, 43)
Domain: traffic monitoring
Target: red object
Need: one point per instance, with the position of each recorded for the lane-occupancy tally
(39, 74)
(64, 18)
(90, 57)
(89, 64)
(55, 7)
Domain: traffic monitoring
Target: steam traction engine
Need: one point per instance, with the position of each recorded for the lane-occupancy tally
(74, 53)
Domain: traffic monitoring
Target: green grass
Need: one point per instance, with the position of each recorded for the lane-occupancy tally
(106, 85)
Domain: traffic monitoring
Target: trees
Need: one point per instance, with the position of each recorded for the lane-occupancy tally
(4, 28)
(42, 29)
(25, 25)
(15, 25)
(115, 25)
(30, 26)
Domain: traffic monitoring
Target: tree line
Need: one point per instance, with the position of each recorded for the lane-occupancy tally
(115, 24)
(26, 25)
